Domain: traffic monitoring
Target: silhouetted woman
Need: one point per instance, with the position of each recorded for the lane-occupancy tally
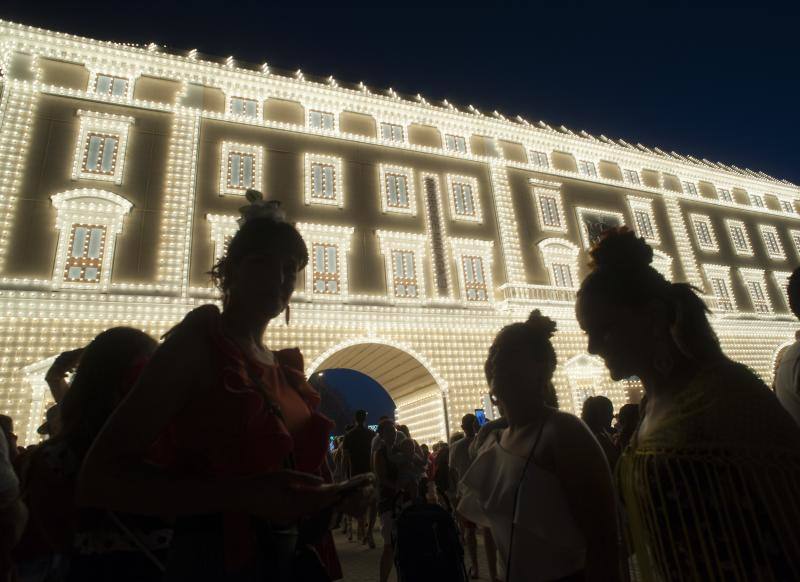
(230, 416)
(711, 478)
(542, 484)
(62, 541)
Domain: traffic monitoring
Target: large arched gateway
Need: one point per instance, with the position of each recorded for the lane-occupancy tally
(419, 393)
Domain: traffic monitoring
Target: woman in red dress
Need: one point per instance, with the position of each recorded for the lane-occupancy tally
(222, 432)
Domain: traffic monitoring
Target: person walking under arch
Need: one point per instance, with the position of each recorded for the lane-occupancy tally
(531, 479)
(710, 477)
(356, 447)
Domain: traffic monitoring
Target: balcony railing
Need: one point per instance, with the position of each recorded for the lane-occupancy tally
(539, 293)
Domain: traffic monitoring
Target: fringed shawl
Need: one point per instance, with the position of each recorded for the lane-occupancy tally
(713, 491)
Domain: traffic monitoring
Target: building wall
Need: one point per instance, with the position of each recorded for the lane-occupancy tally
(179, 115)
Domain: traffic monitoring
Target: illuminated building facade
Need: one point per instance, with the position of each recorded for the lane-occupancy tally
(429, 226)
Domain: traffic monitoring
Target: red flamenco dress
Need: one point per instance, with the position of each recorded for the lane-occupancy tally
(231, 431)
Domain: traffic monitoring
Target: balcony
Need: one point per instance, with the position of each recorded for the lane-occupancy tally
(539, 293)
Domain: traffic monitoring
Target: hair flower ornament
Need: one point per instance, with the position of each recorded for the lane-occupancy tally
(260, 208)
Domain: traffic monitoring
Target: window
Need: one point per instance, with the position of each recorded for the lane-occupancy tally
(562, 275)
(561, 262)
(100, 155)
(550, 215)
(455, 143)
(720, 289)
(704, 232)
(787, 205)
(241, 168)
(88, 221)
(404, 275)
(464, 202)
(593, 223)
(539, 159)
(547, 198)
(643, 219)
(643, 224)
(757, 200)
(392, 132)
(753, 280)
(474, 279)
(326, 268)
(586, 168)
(397, 190)
(689, 188)
(403, 254)
(111, 86)
(100, 150)
(724, 194)
(719, 279)
(326, 273)
(321, 120)
(772, 242)
(739, 238)
(631, 177)
(474, 259)
(85, 256)
(243, 106)
(323, 180)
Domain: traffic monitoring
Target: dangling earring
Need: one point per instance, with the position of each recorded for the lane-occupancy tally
(663, 361)
(288, 314)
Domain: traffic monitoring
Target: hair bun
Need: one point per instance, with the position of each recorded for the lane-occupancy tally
(620, 248)
(260, 208)
(540, 325)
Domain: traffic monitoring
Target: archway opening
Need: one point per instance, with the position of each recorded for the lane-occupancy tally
(418, 397)
(344, 391)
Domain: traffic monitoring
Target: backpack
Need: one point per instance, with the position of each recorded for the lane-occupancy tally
(427, 546)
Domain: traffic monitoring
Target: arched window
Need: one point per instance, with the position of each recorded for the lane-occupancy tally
(561, 261)
(88, 222)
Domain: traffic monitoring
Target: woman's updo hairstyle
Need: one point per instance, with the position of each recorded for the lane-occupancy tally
(622, 275)
(523, 345)
(263, 227)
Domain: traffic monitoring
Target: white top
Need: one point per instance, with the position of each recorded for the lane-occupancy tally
(459, 456)
(787, 381)
(547, 542)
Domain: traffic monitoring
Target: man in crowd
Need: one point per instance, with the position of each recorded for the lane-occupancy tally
(357, 447)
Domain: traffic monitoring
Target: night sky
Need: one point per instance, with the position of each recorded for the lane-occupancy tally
(719, 82)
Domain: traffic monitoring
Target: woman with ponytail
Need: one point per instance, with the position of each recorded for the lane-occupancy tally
(711, 478)
(542, 484)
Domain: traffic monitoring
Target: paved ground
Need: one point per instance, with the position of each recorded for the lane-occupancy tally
(360, 564)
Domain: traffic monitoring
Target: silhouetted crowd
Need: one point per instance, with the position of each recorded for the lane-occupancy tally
(203, 457)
